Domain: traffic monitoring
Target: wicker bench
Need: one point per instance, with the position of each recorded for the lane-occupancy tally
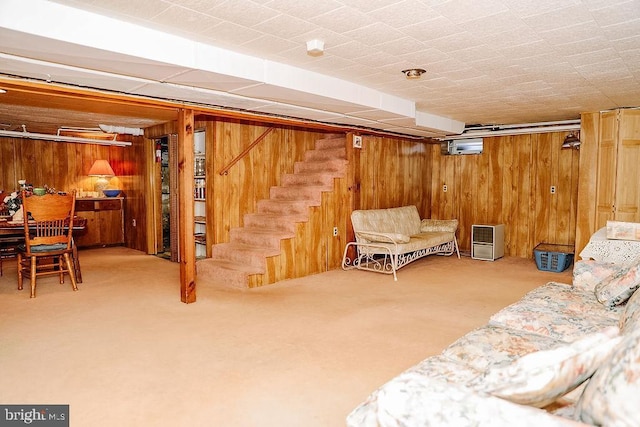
(388, 239)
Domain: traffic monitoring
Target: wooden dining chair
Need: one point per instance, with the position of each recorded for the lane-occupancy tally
(48, 231)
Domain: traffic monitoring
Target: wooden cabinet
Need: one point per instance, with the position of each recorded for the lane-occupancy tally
(618, 183)
(105, 222)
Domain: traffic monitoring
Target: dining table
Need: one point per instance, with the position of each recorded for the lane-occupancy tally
(12, 235)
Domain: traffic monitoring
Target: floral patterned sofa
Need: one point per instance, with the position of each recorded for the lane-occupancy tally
(563, 355)
(387, 239)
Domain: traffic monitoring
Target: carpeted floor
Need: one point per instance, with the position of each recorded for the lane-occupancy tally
(125, 351)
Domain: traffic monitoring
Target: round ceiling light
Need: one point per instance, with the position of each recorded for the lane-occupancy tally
(414, 73)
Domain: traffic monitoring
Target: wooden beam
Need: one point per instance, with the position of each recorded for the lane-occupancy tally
(185, 185)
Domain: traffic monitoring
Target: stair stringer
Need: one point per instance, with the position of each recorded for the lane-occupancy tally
(313, 249)
(308, 250)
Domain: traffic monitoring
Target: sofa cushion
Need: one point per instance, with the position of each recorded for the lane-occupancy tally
(630, 317)
(539, 378)
(619, 287)
(491, 345)
(373, 237)
(403, 220)
(558, 311)
(448, 225)
(413, 400)
(612, 396)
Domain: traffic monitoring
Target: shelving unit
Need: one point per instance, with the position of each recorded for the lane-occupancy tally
(200, 195)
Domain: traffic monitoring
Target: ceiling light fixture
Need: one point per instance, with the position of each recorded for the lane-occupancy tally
(315, 47)
(414, 73)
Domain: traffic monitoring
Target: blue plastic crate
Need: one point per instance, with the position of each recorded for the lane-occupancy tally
(552, 257)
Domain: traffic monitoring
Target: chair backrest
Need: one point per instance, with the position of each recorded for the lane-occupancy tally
(48, 219)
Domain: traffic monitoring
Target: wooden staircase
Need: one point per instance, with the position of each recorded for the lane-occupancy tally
(248, 248)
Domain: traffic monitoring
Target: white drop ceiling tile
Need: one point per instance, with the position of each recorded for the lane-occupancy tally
(351, 49)
(284, 26)
(530, 50)
(628, 45)
(228, 34)
(463, 11)
(304, 9)
(477, 55)
(403, 13)
(504, 21)
(405, 45)
(614, 69)
(375, 34)
(458, 41)
(594, 57)
(618, 13)
(436, 27)
(582, 47)
(572, 34)
(511, 38)
(191, 4)
(182, 21)
(366, 6)
(269, 45)
(559, 18)
(623, 30)
(339, 20)
(241, 12)
(530, 8)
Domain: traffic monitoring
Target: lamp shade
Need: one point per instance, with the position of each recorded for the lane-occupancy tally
(101, 168)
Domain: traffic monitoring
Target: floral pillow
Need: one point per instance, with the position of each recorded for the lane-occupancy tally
(630, 317)
(619, 287)
(539, 378)
(612, 396)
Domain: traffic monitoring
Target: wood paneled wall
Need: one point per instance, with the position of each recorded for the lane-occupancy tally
(64, 166)
(394, 172)
(510, 183)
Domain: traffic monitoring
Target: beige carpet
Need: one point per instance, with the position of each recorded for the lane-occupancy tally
(125, 351)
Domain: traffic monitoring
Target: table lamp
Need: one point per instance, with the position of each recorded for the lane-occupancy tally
(101, 169)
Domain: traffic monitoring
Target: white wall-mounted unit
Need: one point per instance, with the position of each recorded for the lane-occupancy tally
(487, 242)
(463, 146)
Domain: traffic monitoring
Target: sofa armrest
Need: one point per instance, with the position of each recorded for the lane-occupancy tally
(587, 274)
(449, 225)
(412, 399)
(375, 237)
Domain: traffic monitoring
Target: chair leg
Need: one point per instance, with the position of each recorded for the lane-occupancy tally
(61, 269)
(33, 276)
(19, 271)
(76, 264)
(72, 272)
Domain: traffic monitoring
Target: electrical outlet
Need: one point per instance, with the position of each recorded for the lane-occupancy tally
(444, 187)
(335, 231)
(553, 189)
(357, 141)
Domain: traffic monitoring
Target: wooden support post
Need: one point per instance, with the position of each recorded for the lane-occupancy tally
(353, 179)
(186, 229)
